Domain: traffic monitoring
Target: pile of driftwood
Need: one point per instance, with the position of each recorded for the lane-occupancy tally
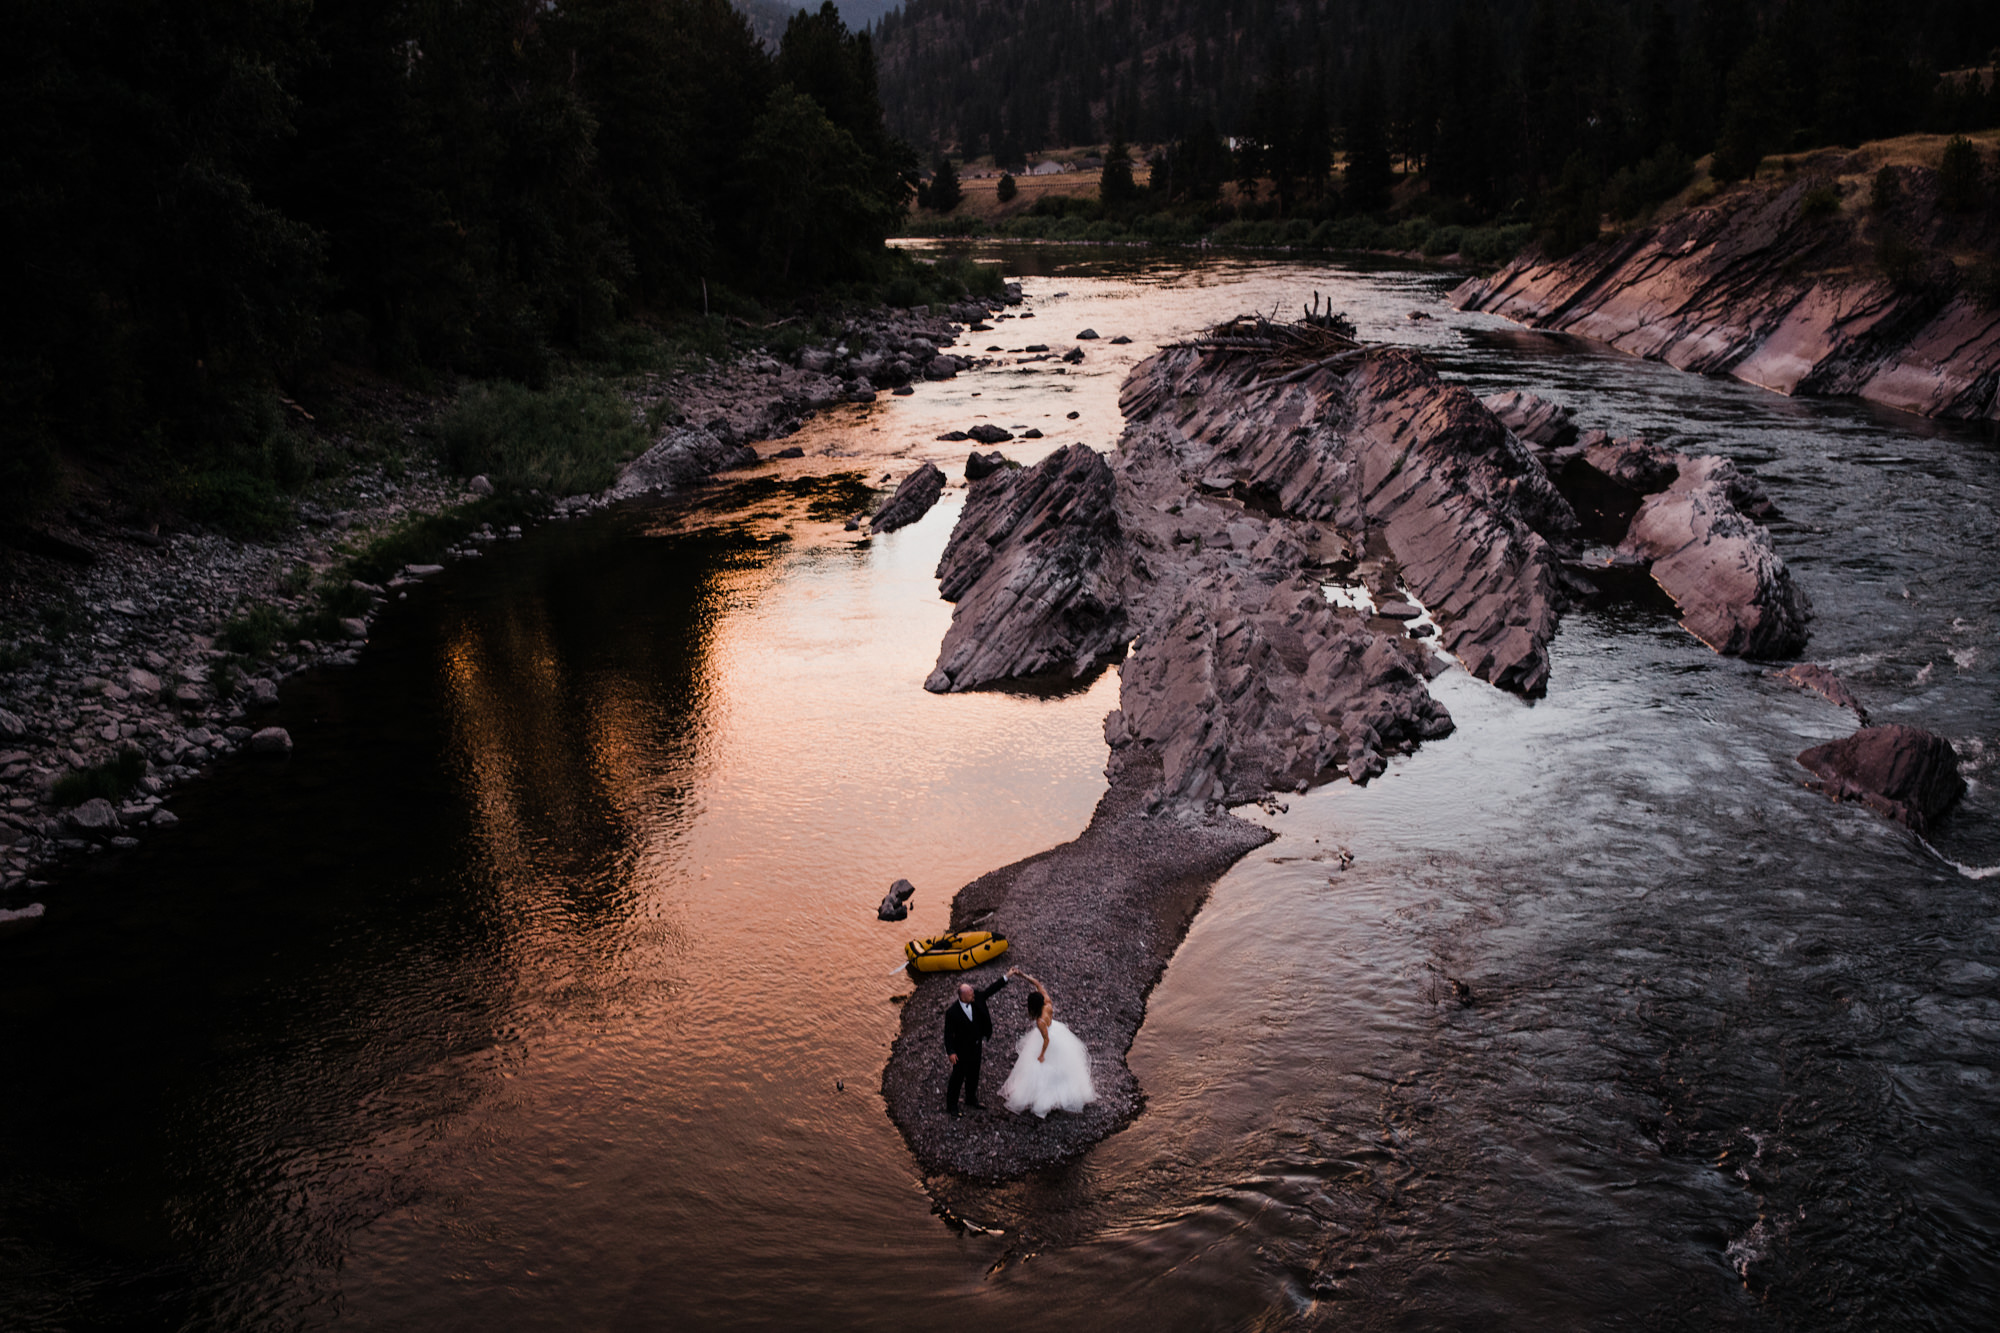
(1317, 340)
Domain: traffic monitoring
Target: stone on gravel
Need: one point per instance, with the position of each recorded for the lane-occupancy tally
(271, 740)
(95, 816)
(263, 693)
(422, 571)
(1909, 774)
(164, 819)
(11, 726)
(479, 486)
(354, 628)
(143, 682)
(912, 500)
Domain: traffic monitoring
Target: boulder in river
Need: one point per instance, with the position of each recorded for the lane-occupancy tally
(896, 903)
(1909, 774)
(978, 465)
(1733, 591)
(271, 740)
(986, 433)
(912, 500)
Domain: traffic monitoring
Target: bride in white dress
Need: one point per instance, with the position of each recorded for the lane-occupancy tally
(1051, 1066)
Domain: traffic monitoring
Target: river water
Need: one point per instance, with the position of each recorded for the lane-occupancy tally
(541, 987)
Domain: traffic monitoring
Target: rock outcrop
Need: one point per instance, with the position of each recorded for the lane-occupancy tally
(1769, 286)
(1257, 466)
(1733, 592)
(912, 500)
(1685, 521)
(1036, 565)
(1909, 774)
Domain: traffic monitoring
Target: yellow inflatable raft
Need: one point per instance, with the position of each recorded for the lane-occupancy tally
(955, 952)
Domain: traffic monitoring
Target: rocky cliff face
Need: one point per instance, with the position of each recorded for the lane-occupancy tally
(1775, 288)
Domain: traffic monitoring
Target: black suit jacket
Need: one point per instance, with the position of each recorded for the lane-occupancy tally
(962, 1036)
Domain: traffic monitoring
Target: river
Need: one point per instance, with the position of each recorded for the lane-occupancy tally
(541, 987)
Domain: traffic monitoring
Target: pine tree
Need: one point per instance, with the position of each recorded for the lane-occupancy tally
(1370, 174)
(1115, 185)
(945, 193)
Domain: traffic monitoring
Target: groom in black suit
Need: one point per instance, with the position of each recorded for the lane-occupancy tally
(967, 1025)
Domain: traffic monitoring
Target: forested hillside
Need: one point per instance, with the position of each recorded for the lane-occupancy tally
(201, 202)
(1490, 98)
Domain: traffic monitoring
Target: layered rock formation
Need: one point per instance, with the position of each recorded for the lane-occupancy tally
(1257, 466)
(1770, 286)
(1909, 774)
(1037, 565)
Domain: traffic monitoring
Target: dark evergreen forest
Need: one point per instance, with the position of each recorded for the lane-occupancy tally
(1495, 101)
(203, 202)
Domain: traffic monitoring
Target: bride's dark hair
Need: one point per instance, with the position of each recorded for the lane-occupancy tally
(1035, 1005)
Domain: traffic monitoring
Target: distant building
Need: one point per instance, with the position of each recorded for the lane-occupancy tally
(1049, 168)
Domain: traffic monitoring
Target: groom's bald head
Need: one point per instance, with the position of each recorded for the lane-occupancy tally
(965, 992)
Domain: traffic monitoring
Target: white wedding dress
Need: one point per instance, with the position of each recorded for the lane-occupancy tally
(1061, 1081)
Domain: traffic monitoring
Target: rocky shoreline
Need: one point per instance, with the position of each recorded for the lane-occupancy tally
(1261, 468)
(112, 639)
(1839, 282)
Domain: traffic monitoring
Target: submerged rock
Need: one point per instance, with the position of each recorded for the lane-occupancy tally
(1909, 774)
(1811, 676)
(912, 500)
(17, 921)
